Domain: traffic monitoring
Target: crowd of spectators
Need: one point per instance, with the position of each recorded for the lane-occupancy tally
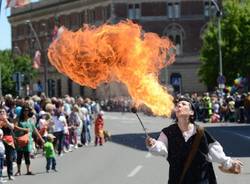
(116, 104)
(215, 108)
(211, 107)
(67, 120)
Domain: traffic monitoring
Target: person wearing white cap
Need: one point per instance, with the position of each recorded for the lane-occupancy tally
(43, 123)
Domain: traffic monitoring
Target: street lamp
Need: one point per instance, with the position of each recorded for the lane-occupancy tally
(45, 66)
(221, 78)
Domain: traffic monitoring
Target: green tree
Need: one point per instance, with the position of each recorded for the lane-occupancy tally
(11, 64)
(235, 45)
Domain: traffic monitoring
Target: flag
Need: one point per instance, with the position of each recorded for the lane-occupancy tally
(16, 3)
(54, 33)
(57, 32)
(37, 60)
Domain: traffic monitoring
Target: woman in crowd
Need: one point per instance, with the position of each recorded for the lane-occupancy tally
(60, 123)
(8, 141)
(74, 122)
(22, 126)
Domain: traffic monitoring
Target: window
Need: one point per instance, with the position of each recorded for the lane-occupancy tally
(176, 39)
(137, 11)
(90, 16)
(51, 87)
(94, 93)
(173, 10)
(59, 88)
(134, 11)
(170, 10)
(108, 10)
(66, 20)
(176, 82)
(74, 20)
(176, 34)
(206, 9)
(70, 87)
(209, 9)
(177, 42)
(176, 10)
(82, 90)
(104, 13)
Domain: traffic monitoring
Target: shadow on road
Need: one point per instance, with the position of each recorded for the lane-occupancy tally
(136, 141)
(234, 139)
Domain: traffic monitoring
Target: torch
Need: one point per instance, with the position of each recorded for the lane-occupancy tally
(134, 110)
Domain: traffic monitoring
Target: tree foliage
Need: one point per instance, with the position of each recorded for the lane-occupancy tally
(10, 64)
(235, 45)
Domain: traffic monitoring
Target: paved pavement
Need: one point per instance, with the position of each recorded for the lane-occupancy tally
(125, 160)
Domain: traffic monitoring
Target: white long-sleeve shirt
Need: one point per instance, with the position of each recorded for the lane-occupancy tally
(215, 153)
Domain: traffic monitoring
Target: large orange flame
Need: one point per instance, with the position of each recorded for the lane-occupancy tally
(122, 52)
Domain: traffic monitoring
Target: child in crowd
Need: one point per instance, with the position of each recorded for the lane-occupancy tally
(99, 128)
(2, 152)
(50, 153)
(43, 124)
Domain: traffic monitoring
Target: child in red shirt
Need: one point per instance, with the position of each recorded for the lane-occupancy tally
(99, 128)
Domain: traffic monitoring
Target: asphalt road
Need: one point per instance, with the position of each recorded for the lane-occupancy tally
(125, 160)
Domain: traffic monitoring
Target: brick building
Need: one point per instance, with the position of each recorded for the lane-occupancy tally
(183, 21)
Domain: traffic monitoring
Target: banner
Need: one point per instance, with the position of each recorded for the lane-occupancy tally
(37, 60)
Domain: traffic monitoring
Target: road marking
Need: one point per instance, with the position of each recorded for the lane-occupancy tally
(135, 171)
(119, 118)
(148, 155)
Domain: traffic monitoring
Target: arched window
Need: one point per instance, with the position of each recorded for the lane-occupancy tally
(176, 34)
(176, 82)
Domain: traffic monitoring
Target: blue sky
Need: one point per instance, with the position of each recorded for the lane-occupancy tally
(5, 32)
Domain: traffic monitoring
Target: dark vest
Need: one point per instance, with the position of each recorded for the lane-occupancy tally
(200, 171)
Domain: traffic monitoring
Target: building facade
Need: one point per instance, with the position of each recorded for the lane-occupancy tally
(183, 21)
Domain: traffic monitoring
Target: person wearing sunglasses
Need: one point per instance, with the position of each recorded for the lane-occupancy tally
(22, 126)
